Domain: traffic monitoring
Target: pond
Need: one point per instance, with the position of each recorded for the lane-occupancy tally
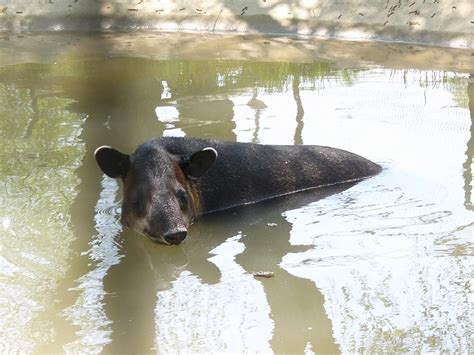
(384, 265)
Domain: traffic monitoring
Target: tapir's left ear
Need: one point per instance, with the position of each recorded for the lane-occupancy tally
(113, 163)
(200, 162)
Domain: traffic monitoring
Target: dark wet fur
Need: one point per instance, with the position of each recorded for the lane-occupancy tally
(246, 173)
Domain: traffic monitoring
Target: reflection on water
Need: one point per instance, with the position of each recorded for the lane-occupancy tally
(230, 316)
(381, 266)
(390, 280)
(88, 312)
(39, 152)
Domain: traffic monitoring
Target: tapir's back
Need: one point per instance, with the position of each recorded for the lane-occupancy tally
(246, 173)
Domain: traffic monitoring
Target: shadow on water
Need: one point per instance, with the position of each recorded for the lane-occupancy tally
(296, 304)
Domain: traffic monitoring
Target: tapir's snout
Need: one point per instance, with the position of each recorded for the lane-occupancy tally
(175, 238)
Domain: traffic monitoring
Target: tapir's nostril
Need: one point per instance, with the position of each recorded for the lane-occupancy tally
(175, 238)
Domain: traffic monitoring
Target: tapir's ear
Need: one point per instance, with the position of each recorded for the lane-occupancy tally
(200, 162)
(113, 163)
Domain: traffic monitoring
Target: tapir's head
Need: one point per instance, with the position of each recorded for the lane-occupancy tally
(160, 199)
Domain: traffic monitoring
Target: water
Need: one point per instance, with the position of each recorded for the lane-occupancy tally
(381, 266)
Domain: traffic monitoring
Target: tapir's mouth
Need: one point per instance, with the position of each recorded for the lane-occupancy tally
(158, 240)
(174, 238)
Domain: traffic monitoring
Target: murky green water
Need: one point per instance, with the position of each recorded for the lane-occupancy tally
(382, 266)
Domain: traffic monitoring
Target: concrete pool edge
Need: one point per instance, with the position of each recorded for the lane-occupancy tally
(406, 22)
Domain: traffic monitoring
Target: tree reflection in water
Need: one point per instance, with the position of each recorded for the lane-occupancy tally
(367, 269)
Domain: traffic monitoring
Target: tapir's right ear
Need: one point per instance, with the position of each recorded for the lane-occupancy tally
(200, 162)
(113, 163)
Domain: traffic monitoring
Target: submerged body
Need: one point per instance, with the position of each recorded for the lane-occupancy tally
(170, 181)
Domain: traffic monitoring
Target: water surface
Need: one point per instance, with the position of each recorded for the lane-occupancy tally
(384, 265)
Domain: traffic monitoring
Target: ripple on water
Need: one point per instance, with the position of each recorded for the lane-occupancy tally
(88, 312)
(389, 258)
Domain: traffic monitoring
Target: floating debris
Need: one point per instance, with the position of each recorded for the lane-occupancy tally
(264, 274)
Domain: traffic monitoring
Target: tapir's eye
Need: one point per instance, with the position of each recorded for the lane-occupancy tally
(182, 197)
(137, 202)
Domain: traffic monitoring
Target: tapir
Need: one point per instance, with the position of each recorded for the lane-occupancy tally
(168, 182)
